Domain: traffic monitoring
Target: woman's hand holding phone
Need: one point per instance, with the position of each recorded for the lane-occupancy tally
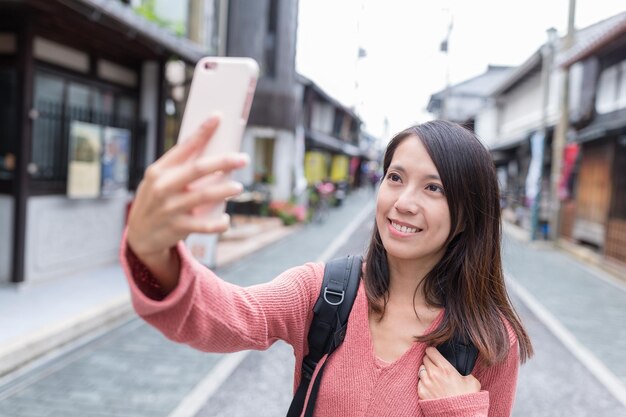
(165, 207)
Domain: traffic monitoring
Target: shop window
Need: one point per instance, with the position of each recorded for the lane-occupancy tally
(59, 103)
(103, 106)
(125, 110)
(46, 154)
(337, 123)
(264, 160)
(8, 122)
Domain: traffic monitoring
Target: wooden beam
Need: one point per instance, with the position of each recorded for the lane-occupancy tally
(160, 116)
(21, 183)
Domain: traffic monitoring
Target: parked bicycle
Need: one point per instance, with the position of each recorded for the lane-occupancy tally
(321, 201)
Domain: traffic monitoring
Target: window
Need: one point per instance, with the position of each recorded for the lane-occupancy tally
(264, 160)
(338, 122)
(58, 102)
(46, 153)
(8, 122)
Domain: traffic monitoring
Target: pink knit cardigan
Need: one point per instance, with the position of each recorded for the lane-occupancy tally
(212, 315)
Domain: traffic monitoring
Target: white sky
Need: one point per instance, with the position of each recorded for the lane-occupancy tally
(403, 66)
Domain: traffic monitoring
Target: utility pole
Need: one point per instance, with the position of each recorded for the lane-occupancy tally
(560, 134)
(547, 60)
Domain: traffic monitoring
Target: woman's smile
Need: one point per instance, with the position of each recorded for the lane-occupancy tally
(402, 229)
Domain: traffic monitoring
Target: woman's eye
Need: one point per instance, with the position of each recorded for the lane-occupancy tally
(393, 177)
(434, 188)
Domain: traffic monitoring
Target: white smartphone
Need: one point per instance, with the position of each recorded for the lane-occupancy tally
(221, 86)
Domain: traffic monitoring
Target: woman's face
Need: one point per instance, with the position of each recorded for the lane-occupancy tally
(412, 213)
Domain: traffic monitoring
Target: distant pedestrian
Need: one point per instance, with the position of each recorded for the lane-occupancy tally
(432, 272)
(374, 178)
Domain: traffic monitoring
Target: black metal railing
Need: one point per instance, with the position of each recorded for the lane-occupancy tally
(50, 145)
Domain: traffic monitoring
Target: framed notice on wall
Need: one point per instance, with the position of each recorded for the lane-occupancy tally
(84, 165)
(115, 156)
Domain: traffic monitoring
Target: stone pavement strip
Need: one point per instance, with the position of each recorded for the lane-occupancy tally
(591, 308)
(133, 371)
(553, 384)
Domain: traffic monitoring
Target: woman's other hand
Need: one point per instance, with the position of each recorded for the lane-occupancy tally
(439, 379)
(163, 210)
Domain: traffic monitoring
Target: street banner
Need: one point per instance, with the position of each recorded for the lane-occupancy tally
(534, 170)
(315, 167)
(570, 155)
(339, 168)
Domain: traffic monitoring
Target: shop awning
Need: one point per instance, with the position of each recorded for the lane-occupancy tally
(135, 26)
(603, 125)
(324, 141)
(508, 144)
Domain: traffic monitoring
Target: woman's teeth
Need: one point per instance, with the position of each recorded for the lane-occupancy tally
(403, 229)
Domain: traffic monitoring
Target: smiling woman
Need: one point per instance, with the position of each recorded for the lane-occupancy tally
(438, 229)
(432, 275)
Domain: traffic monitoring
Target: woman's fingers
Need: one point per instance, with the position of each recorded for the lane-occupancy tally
(178, 178)
(216, 193)
(438, 378)
(438, 359)
(187, 224)
(429, 364)
(185, 150)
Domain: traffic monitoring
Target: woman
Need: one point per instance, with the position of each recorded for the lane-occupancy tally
(432, 270)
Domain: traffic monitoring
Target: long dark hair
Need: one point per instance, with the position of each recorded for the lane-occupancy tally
(468, 280)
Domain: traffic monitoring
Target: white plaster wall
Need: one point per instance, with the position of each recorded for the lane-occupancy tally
(463, 108)
(149, 105)
(575, 87)
(64, 236)
(521, 109)
(611, 95)
(322, 117)
(60, 54)
(486, 126)
(246, 175)
(284, 152)
(554, 98)
(6, 237)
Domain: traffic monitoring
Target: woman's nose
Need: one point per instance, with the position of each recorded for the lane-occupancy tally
(407, 202)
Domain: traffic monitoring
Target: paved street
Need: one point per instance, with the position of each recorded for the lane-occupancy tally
(133, 371)
(553, 384)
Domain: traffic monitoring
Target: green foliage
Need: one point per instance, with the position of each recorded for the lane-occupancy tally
(288, 219)
(148, 11)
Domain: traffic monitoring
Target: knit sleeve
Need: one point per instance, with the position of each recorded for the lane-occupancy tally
(142, 277)
(212, 315)
(498, 384)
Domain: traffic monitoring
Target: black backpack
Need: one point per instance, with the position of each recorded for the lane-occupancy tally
(328, 329)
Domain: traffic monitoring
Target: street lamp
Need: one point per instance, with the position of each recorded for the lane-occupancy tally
(444, 47)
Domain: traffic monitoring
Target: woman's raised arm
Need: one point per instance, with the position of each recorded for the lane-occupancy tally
(163, 212)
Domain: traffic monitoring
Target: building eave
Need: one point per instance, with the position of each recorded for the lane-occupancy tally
(136, 25)
(532, 63)
(584, 49)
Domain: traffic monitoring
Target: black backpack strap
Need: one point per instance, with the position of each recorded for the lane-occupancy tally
(328, 327)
